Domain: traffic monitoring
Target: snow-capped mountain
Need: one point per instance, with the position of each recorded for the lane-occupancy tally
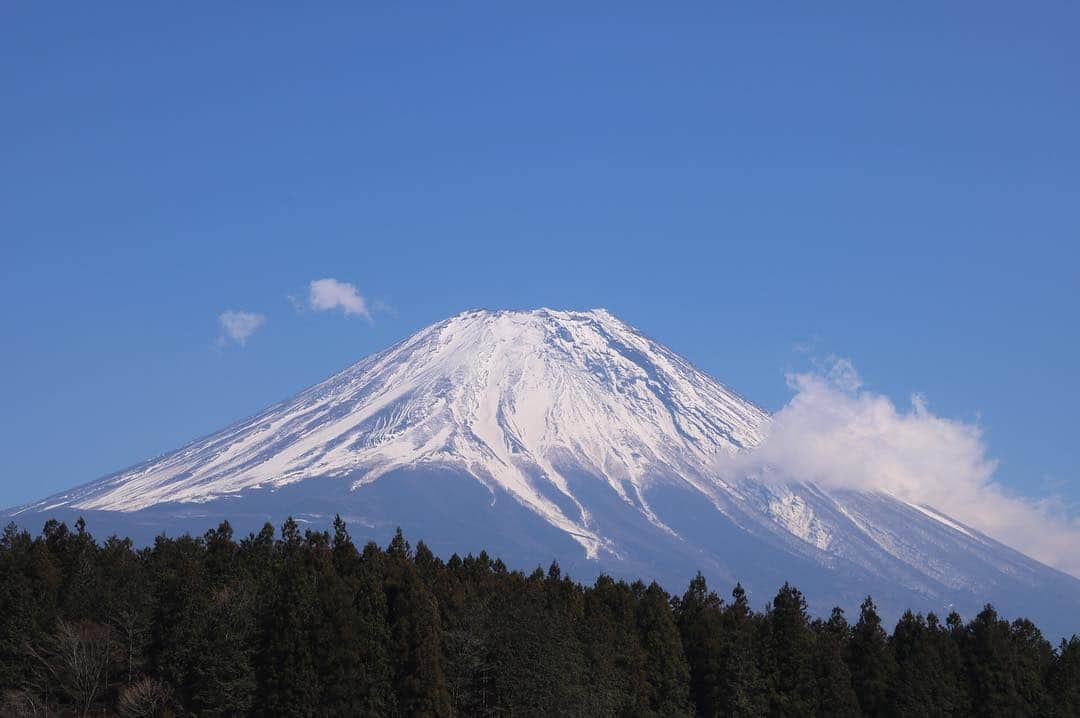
(547, 434)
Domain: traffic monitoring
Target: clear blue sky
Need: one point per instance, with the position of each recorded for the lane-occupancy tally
(900, 181)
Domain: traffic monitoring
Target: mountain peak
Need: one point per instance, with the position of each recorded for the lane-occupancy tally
(513, 398)
(570, 434)
(539, 313)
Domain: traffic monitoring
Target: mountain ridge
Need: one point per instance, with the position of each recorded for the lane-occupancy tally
(600, 442)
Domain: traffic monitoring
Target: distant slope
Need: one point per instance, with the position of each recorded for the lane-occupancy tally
(548, 434)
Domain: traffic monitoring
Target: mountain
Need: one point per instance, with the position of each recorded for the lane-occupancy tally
(545, 435)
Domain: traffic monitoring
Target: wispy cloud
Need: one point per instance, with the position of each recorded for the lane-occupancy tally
(329, 294)
(298, 304)
(838, 434)
(238, 326)
(381, 307)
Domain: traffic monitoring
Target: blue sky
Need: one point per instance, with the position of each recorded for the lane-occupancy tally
(896, 184)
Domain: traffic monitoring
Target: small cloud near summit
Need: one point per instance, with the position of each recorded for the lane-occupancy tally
(238, 326)
(328, 294)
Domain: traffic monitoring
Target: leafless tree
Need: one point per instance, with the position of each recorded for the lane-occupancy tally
(130, 628)
(145, 698)
(76, 657)
(23, 703)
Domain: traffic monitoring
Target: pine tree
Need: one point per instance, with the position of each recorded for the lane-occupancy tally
(124, 604)
(25, 596)
(870, 661)
(415, 636)
(789, 645)
(616, 661)
(309, 625)
(952, 680)
(926, 681)
(179, 601)
(740, 681)
(288, 678)
(223, 676)
(699, 615)
(1034, 664)
(835, 695)
(665, 667)
(1007, 665)
(377, 681)
(1064, 680)
(349, 634)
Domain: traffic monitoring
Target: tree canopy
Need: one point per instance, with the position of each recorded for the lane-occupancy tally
(307, 623)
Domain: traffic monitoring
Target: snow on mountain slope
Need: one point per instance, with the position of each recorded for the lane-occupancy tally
(589, 435)
(503, 395)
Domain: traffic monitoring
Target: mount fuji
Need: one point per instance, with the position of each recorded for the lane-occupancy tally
(541, 435)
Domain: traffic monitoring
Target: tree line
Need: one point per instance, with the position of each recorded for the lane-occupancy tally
(307, 623)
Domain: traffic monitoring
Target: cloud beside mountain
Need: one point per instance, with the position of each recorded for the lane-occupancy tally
(837, 434)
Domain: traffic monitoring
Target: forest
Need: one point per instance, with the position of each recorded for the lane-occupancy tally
(307, 623)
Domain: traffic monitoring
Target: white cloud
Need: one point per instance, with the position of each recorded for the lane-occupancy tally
(837, 434)
(328, 294)
(238, 326)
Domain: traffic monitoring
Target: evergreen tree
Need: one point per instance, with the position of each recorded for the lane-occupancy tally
(1035, 661)
(789, 645)
(336, 634)
(835, 695)
(124, 604)
(870, 661)
(223, 677)
(179, 600)
(666, 671)
(352, 632)
(308, 625)
(1007, 666)
(1064, 680)
(926, 681)
(288, 678)
(699, 615)
(25, 594)
(954, 698)
(740, 680)
(415, 636)
(615, 659)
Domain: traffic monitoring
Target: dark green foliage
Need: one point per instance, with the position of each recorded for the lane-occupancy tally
(834, 692)
(536, 656)
(615, 658)
(666, 673)
(870, 662)
(699, 615)
(1008, 666)
(307, 624)
(927, 680)
(720, 642)
(351, 633)
(1064, 681)
(415, 636)
(787, 663)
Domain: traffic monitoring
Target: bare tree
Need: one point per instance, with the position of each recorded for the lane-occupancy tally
(130, 627)
(145, 698)
(77, 658)
(23, 703)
